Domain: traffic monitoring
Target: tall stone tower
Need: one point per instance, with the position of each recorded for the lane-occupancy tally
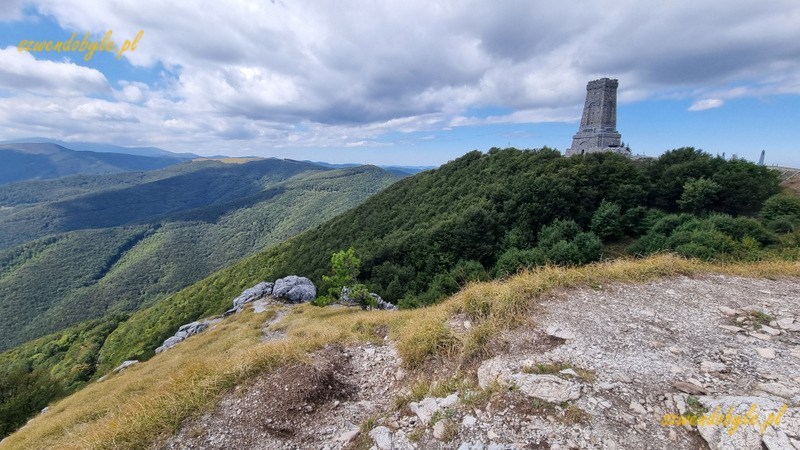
(598, 131)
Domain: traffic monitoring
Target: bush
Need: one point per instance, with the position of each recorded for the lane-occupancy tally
(589, 246)
(636, 220)
(607, 221)
(648, 244)
(559, 230)
(667, 224)
(514, 259)
(698, 195)
(782, 224)
(781, 205)
(742, 227)
(696, 250)
(564, 253)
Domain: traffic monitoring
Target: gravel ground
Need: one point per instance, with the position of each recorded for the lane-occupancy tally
(593, 368)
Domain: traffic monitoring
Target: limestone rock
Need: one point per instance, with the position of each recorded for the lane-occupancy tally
(345, 299)
(690, 388)
(749, 436)
(125, 365)
(439, 429)
(560, 333)
(546, 387)
(777, 389)
(183, 332)
(256, 292)
(767, 353)
(294, 289)
(382, 437)
(469, 421)
(711, 366)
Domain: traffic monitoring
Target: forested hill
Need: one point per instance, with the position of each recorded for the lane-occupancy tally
(420, 239)
(112, 243)
(486, 215)
(27, 161)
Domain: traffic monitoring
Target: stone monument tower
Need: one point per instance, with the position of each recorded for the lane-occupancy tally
(598, 131)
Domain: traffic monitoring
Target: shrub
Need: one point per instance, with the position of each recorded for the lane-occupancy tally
(607, 221)
(589, 246)
(698, 195)
(667, 224)
(648, 244)
(635, 221)
(781, 205)
(514, 259)
(559, 230)
(782, 224)
(741, 227)
(564, 253)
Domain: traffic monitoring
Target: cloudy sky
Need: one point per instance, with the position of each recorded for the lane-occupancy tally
(411, 82)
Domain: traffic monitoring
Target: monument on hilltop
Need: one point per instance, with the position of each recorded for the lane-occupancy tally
(598, 130)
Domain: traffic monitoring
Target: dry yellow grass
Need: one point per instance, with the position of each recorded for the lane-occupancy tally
(148, 401)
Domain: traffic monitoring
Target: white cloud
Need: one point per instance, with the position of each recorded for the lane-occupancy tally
(20, 71)
(309, 73)
(706, 103)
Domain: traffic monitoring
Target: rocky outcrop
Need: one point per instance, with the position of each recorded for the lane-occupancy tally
(256, 292)
(550, 388)
(773, 433)
(294, 289)
(347, 300)
(183, 332)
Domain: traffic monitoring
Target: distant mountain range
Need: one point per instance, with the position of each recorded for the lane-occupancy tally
(397, 170)
(43, 158)
(26, 161)
(104, 148)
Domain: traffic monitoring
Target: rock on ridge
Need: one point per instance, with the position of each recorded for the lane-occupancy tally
(256, 292)
(294, 289)
(345, 299)
(183, 332)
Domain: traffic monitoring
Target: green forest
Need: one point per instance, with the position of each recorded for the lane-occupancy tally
(93, 269)
(481, 216)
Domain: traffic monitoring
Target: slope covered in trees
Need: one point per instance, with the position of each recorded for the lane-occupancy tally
(489, 215)
(486, 215)
(126, 244)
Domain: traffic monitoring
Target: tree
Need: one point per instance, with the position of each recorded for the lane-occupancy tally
(607, 221)
(345, 267)
(698, 195)
(781, 205)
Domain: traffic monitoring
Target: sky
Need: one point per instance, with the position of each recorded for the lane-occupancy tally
(411, 82)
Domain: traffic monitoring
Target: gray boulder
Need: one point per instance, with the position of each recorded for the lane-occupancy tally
(256, 292)
(183, 332)
(294, 289)
(345, 299)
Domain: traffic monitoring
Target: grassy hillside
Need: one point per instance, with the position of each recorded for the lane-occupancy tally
(135, 245)
(427, 235)
(41, 161)
(148, 401)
